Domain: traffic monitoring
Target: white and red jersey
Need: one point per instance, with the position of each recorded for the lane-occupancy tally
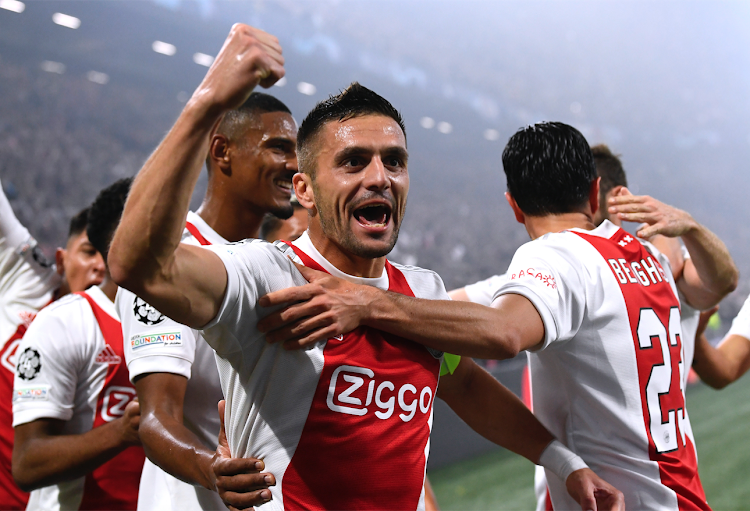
(71, 367)
(27, 283)
(155, 343)
(483, 292)
(335, 422)
(608, 379)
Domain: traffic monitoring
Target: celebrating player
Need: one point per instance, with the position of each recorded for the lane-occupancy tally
(597, 311)
(344, 424)
(251, 161)
(74, 410)
(27, 283)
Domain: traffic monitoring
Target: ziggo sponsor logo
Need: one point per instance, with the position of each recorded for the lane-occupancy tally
(356, 377)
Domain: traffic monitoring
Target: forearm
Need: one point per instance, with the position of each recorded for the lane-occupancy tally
(712, 265)
(176, 449)
(718, 367)
(48, 460)
(497, 414)
(462, 328)
(154, 216)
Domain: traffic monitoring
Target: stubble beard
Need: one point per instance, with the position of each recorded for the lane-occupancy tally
(343, 237)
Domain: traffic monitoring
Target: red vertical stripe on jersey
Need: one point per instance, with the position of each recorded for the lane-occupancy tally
(678, 467)
(354, 453)
(11, 496)
(196, 234)
(114, 484)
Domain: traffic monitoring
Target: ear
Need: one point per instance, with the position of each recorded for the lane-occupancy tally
(594, 195)
(304, 191)
(219, 153)
(60, 261)
(520, 216)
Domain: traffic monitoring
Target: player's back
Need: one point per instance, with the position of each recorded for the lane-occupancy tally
(608, 381)
(333, 422)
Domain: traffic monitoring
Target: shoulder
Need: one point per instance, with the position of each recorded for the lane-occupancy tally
(423, 282)
(253, 254)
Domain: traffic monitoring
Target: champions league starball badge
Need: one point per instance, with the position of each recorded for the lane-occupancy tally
(145, 313)
(29, 364)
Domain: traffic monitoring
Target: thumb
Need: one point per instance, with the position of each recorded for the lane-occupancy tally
(309, 274)
(624, 191)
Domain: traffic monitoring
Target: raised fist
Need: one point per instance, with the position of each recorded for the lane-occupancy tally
(249, 57)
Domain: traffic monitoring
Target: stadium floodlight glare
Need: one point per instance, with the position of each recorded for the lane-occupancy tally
(281, 82)
(53, 67)
(164, 48)
(202, 59)
(444, 127)
(66, 21)
(307, 89)
(12, 5)
(427, 123)
(491, 135)
(183, 96)
(97, 77)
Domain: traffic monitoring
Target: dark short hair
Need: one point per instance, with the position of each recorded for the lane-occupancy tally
(235, 121)
(105, 213)
(78, 223)
(271, 223)
(609, 168)
(354, 101)
(549, 168)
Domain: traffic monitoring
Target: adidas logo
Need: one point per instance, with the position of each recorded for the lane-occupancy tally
(108, 356)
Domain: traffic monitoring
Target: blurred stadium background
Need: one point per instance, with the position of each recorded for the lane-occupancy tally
(87, 90)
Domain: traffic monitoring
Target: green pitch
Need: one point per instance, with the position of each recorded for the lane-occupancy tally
(721, 424)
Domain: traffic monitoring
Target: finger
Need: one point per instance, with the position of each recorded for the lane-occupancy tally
(648, 232)
(289, 295)
(312, 318)
(643, 218)
(633, 207)
(627, 199)
(310, 274)
(244, 483)
(236, 466)
(290, 316)
(246, 500)
(311, 338)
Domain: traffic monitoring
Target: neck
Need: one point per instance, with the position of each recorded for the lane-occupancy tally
(109, 287)
(345, 261)
(233, 219)
(538, 226)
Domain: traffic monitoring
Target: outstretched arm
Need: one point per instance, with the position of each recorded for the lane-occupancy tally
(42, 456)
(498, 415)
(187, 283)
(329, 306)
(710, 273)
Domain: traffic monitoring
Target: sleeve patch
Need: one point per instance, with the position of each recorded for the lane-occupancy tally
(29, 364)
(160, 339)
(36, 393)
(449, 364)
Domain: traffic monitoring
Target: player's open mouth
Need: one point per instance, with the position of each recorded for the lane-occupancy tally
(284, 183)
(373, 216)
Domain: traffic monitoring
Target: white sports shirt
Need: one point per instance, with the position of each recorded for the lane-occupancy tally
(741, 323)
(155, 343)
(27, 283)
(335, 423)
(69, 369)
(608, 380)
(483, 292)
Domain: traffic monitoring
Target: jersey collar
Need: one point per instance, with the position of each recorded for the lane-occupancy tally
(305, 244)
(103, 301)
(206, 231)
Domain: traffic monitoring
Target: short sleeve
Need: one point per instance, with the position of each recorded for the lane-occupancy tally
(12, 233)
(741, 324)
(549, 277)
(154, 343)
(51, 358)
(483, 291)
(254, 269)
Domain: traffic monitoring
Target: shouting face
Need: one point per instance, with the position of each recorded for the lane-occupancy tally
(360, 183)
